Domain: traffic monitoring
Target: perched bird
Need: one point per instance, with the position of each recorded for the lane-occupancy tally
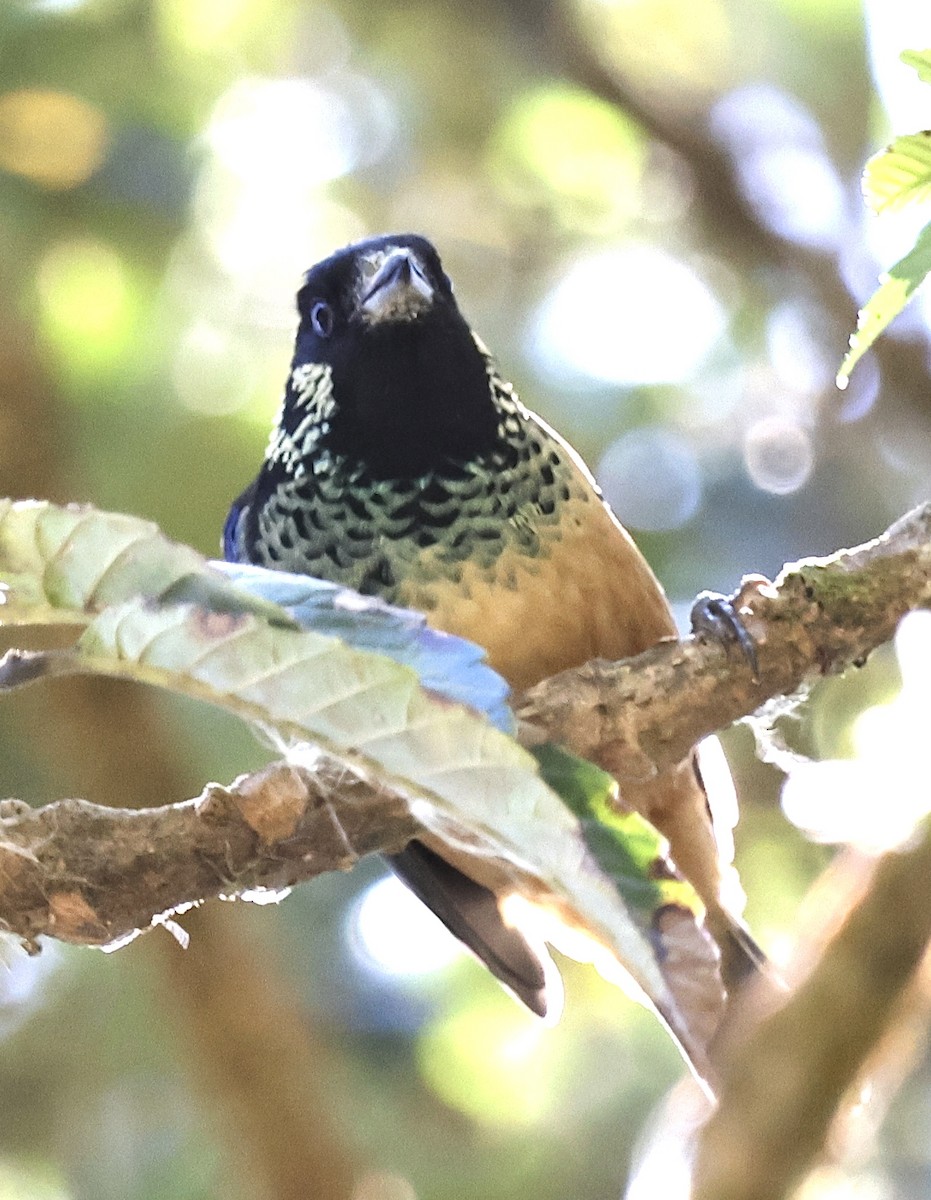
(403, 465)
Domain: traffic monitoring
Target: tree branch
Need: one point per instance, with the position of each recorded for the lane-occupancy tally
(84, 873)
(820, 616)
(89, 874)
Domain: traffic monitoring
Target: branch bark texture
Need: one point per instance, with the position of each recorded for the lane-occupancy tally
(94, 875)
(819, 616)
(84, 873)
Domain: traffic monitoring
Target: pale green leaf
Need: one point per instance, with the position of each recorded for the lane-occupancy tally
(920, 60)
(635, 857)
(899, 175)
(468, 783)
(896, 288)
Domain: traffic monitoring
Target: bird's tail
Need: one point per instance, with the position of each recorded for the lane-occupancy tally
(470, 912)
(741, 956)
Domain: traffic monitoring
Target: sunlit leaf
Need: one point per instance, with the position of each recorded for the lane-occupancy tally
(156, 613)
(920, 60)
(900, 174)
(449, 666)
(635, 857)
(896, 288)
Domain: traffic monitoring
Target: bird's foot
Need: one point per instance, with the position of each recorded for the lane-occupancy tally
(715, 616)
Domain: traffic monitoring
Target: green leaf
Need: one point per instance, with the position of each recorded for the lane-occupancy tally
(899, 175)
(469, 785)
(920, 60)
(631, 852)
(896, 288)
(626, 846)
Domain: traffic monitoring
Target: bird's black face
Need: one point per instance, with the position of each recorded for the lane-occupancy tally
(409, 384)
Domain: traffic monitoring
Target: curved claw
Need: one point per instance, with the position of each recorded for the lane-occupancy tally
(715, 616)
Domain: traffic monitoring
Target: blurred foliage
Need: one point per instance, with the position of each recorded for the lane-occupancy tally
(651, 213)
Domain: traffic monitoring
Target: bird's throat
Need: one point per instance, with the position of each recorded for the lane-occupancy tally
(406, 406)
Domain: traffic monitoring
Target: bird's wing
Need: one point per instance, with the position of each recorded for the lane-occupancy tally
(231, 532)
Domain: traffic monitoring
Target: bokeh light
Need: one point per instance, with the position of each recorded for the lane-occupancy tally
(779, 152)
(274, 145)
(676, 47)
(630, 315)
(214, 371)
(662, 1164)
(54, 6)
(491, 1062)
(54, 138)
(563, 148)
(862, 391)
(895, 25)
(31, 1181)
(832, 1182)
(86, 300)
(204, 26)
(651, 478)
(294, 129)
(397, 934)
(383, 1185)
(836, 800)
(779, 455)
(264, 239)
(23, 979)
(801, 361)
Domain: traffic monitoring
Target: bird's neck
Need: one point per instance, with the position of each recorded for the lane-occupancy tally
(405, 406)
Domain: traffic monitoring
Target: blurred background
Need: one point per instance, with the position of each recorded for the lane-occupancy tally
(650, 210)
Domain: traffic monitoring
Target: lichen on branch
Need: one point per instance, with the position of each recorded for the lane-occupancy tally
(819, 616)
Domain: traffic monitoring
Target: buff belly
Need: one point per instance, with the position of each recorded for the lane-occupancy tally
(587, 593)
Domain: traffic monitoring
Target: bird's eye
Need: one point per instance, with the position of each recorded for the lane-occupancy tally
(321, 318)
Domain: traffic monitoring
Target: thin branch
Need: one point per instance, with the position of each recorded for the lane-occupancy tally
(820, 616)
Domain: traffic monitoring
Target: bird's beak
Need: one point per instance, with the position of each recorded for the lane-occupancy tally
(398, 291)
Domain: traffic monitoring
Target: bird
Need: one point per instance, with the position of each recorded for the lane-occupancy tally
(402, 464)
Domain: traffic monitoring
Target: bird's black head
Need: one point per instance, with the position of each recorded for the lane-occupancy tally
(409, 384)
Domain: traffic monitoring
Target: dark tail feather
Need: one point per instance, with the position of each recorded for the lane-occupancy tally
(741, 957)
(470, 912)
